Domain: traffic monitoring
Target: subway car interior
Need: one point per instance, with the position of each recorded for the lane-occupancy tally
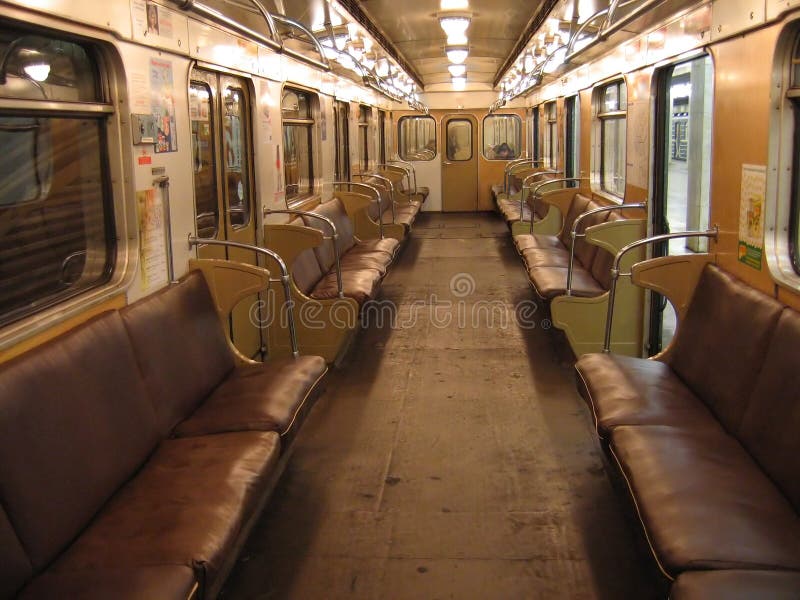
(427, 299)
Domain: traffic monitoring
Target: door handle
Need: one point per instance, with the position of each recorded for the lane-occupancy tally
(447, 163)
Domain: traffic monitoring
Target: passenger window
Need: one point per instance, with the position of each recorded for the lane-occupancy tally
(417, 138)
(502, 137)
(571, 129)
(534, 145)
(794, 220)
(459, 140)
(298, 125)
(364, 115)
(237, 188)
(382, 136)
(341, 112)
(611, 104)
(205, 176)
(56, 213)
(550, 149)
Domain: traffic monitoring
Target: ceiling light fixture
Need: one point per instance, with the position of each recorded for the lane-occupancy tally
(457, 70)
(454, 4)
(454, 25)
(459, 83)
(37, 71)
(457, 54)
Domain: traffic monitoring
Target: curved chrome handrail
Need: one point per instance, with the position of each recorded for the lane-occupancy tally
(334, 237)
(373, 189)
(525, 184)
(534, 192)
(287, 290)
(574, 232)
(389, 186)
(298, 25)
(615, 274)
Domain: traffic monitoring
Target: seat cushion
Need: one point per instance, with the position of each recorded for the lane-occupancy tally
(545, 257)
(180, 346)
(736, 585)
(721, 344)
(527, 240)
(361, 285)
(622, 390)
(358, 261)
(305, 271)
(552, 281)
(75, 424)
(15, 567)
(771, 424)
(273, 396)
(579, 205)
(187, 506)
(167, 582)
(704, 502)
(584, 251)
(509, 208)
(388, 245)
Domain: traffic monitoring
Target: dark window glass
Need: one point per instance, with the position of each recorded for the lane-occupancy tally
(611, 112)
(459, 140)
(502, 137)
(417, 138)
(205, 177)
(297, 143)
(56, 214)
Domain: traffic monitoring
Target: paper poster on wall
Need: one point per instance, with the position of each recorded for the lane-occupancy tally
(163, 105)
(152, 249)
(751, 215)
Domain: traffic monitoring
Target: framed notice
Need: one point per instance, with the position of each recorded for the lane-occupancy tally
(751, 215)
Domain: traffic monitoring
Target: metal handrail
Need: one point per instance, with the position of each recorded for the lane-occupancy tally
(334, 238)
(511, 166)
(410, 166)
(535, 191)
(373, 189)
(405, 173)
(615, 274)
(287, 290)
(388, 185)
(216, 16)
(525, 184)
(574, 235)
(323, 64)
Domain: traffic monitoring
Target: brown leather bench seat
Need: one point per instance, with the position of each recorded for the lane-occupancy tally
(127, 469)
(405, 209)
(546, 257)
(736, 585)
(363, 263)
(705, 437)
(509, 205)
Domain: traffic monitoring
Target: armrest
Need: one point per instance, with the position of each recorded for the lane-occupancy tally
(290, 240)
(675, 278)
(229, 283)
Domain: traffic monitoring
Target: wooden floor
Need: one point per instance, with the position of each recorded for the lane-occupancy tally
(450, 457)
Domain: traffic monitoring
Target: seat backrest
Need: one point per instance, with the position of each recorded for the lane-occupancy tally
(576, 207)
(584, 251)
(305, 271)
(771, 422)
(76, 422)
(15, 566)
(334, 210)
(180, 346)
(719, 348)
(604, 260)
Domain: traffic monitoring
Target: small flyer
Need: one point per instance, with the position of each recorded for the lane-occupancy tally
(152, 250)
(751, 215)
(163, 105)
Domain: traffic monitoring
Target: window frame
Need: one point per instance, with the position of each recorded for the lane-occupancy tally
(308, 123)
(43, 312)
(518, 141)
(363, 136)
(401, 143)
(471, 137)
(341, 133)
(782, 206)
(572, 128)
(601, 118)
(550, 145)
